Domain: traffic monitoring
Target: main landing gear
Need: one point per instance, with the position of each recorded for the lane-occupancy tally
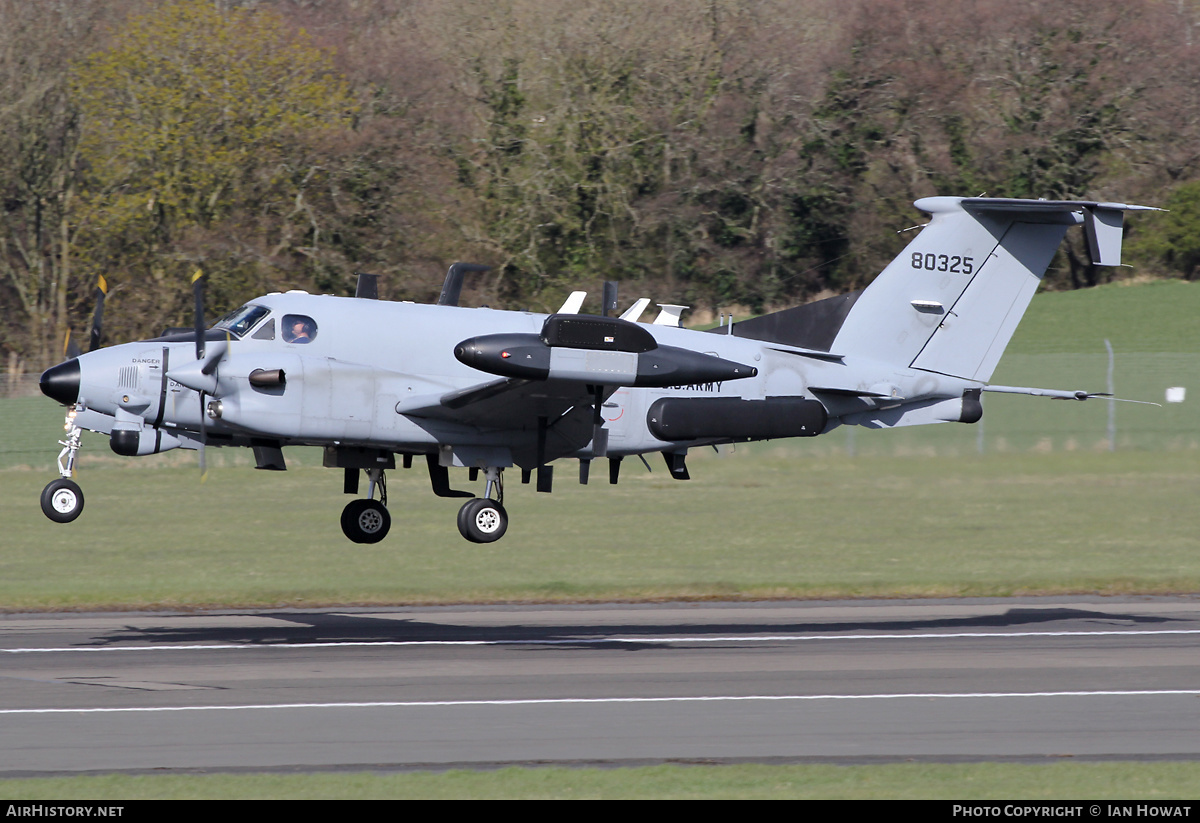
(482, 519)
(368, 521)
(62, 499)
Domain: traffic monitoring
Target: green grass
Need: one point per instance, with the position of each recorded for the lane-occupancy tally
(763, 522)
(1160, 316)
(903, 781)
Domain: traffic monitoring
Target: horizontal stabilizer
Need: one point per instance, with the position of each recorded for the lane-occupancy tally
(1102, 222)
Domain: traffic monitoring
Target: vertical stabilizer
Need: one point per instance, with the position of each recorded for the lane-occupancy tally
(952, 299)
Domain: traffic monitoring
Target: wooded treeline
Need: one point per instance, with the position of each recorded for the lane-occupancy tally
(714, 153)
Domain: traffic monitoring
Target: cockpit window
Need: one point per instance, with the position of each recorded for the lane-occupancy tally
(266, 331)
(240, 321)
(298, 328)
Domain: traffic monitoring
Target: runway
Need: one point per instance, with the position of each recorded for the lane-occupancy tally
(855, 681)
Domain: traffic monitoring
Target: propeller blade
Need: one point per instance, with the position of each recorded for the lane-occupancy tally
(98, 313)
(208, 367)
(203, 435)
(70, 347)
(599, 433)
(198, 292)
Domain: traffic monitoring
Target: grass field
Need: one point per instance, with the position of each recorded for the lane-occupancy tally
(900, 781)
(758, 523)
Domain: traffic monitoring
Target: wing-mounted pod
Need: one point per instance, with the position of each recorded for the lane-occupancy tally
(691, 418)
(595, 350)
(130, 440)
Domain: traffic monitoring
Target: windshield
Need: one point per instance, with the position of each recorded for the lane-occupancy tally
(240, 321)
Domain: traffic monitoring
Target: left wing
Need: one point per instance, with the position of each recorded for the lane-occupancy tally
(552, 384)
(556, 415)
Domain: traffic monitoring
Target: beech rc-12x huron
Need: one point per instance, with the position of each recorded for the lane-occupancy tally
(487, 390)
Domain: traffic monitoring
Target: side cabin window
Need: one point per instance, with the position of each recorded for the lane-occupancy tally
(298, 328)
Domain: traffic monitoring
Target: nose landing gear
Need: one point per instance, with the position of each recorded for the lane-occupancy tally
(62, 499)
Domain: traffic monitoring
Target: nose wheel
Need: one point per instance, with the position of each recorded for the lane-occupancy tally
(62, 500)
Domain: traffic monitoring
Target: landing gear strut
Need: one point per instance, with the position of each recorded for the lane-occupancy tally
(482, 519)
(368, 521)
(62, 499)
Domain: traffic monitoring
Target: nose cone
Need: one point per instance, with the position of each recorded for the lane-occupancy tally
(62, 382)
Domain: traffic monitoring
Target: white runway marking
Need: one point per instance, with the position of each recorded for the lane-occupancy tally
(789, 638)
(609, 700)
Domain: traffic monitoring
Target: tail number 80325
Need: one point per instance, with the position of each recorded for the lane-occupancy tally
(943, 262)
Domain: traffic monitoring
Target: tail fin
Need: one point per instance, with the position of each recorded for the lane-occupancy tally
(952, 299)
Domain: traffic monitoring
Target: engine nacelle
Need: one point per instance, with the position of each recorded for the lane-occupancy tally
(596, 350)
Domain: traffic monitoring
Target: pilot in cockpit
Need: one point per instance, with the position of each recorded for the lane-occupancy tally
(298, 331)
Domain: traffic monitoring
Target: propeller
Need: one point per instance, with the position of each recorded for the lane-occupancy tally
(198, 311)
(599, 433)
(70, 347)
(206, 368)
(98, 313)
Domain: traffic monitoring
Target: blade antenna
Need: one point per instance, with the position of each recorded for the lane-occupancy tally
(609, 299)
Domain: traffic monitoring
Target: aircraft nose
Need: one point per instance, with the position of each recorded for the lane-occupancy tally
(61, 382)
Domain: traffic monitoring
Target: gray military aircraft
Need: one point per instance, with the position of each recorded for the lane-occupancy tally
(486, 390)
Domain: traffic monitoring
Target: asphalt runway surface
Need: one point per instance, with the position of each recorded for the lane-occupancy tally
(853, 681)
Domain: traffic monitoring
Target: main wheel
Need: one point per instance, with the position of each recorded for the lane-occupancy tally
(62, 500)
(482, 520)
(365, 521)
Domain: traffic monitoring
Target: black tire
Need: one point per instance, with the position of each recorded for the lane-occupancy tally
(365, 521)
(62, 500)
(482, 520)
(463, 515)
